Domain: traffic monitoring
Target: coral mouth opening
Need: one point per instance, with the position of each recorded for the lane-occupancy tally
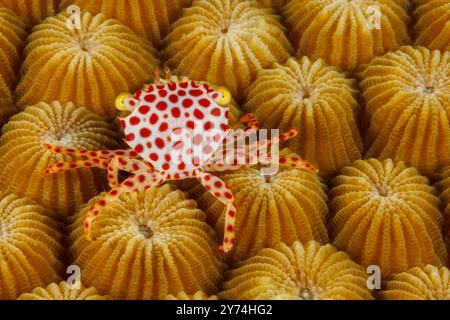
(428, 89)
(146, 231)
(306, 294)
(384, 191)
(86, 45)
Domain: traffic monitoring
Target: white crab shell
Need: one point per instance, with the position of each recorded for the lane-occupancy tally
(176, 127)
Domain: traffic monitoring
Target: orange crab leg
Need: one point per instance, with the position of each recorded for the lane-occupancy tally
(92, 154)
(128, 164)
(221, 192)
(295, 162)
(72, 165)
(249, 121)
(140, 181)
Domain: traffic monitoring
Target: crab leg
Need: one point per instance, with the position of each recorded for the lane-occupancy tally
(294, 161)
(221, 192)
(92, 154)
(140, 181)
(249, 120)
(128, 164)
(101, 163)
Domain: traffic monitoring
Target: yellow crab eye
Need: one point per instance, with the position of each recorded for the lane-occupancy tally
(120, 101)
(225, 98)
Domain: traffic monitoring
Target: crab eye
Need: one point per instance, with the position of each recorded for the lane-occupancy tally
(121, 101)
(224, 97)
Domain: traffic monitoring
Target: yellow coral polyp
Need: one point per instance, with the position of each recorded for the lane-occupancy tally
(23, 156)
(407, 97)
(346, 33)
(148, 245)
(432, 28)
(88, 66)
(32, 11)
(30, 249)
(316, 99)
(386, 214)
(427, 283)
(297, 272)
(226, 42)
(150, 19)
(286, 207)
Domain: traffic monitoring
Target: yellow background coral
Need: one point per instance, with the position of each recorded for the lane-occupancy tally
(148, 245)
(23, 156)
(88, 67)
(386, 214)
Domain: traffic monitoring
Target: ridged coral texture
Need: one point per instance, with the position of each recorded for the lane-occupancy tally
(285, 207)
(148, 245)
(432, 28)
(63, 291)
(347, 33)
(407, 97)
(386, 214)
(30, 249)
(443, 186)
(89, 66)
(427, 283)
(316, 99)
(297, 272)
(150, 19)
(226, 42)
(12, 37)
(32, 11)
(23, 156)
(273, 3)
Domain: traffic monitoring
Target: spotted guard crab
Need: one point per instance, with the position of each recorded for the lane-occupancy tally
(154, 133)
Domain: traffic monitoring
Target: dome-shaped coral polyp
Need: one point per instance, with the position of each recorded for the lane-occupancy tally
(23, 156)
(297, 272)
(151, 18)
(30, 249)
(432, 28)
(226, 42)
(147, 245)
(427, 283)
(63, 291)
(88, 66)
(386, 214)
(285, 207)
(32, 11)
(316, 99)
(346, 33)
(407, 96)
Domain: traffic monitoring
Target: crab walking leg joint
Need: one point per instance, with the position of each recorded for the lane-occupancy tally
(159, 114)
